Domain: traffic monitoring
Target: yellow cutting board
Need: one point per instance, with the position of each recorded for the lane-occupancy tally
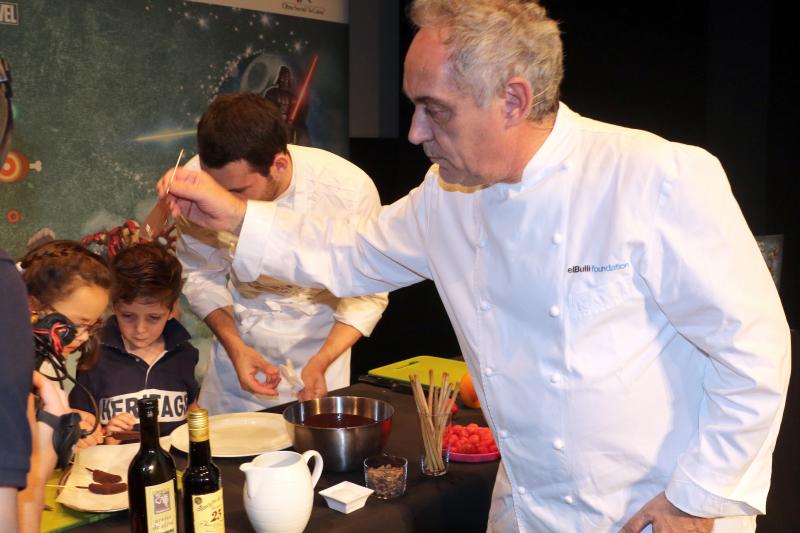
(421, 365)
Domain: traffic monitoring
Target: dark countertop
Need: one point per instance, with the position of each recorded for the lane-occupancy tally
(457, 501)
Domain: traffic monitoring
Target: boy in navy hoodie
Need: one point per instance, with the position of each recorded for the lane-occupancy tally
(144, 351)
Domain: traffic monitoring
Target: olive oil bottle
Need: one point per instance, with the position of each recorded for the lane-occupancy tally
(202, 485)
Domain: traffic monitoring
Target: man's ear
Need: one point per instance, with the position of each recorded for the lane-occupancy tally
(282, 162)
(518, 100)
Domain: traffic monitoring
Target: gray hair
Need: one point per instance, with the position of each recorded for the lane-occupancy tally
(493, 40)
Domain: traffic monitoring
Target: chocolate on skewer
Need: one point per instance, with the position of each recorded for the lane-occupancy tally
(103, 477)
(106, 488)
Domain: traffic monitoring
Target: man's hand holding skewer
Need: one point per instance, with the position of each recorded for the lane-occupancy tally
(197, 197)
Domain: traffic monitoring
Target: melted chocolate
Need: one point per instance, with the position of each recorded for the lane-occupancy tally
(336, 420)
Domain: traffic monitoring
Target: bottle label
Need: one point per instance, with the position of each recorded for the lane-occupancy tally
(161, 512)
(207, 513)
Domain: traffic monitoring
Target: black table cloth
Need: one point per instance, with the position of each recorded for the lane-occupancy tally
(457, 501)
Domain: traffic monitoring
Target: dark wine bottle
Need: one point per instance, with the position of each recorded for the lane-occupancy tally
(202, 485)
(152, 484)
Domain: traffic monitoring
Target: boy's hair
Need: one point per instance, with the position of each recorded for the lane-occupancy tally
(240, 126)
(146, 270)
(55, 268)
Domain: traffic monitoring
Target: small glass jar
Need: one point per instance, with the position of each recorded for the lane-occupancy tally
(386, 475)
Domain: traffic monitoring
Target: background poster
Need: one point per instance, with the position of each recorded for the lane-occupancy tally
(107, 92)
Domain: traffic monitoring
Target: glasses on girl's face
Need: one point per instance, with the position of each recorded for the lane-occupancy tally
(90, 329)
(80, 329)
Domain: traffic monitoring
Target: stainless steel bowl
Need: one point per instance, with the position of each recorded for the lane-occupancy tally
(342, 449)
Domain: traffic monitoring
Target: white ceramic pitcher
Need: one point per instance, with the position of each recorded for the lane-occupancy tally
(279, 490)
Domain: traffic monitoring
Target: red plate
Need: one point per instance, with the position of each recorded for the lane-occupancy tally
(474, 457)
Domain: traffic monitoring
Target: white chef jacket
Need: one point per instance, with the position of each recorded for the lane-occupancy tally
(620, 325)
(278, 319)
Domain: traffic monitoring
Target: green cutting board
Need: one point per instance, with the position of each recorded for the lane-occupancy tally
(421, 365)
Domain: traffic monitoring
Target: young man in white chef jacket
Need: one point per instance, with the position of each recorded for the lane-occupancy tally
(262, 323)
(626, 340)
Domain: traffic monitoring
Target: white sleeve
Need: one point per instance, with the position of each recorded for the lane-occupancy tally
(205, 273)
(708, 276)
(364, 312)
(350, 256)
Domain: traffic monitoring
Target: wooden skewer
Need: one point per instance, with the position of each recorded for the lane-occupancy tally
(452, 400)
(443, 391)
(430, 391)
(424, 417)
(174, 170)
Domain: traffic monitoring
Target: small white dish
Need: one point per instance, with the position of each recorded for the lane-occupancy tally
(346, 497)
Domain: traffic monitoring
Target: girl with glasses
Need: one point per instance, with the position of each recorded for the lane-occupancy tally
(64, 277)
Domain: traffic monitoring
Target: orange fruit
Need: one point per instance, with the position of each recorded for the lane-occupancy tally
(467, 392)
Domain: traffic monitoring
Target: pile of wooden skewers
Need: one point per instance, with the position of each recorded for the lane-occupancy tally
(434, 410)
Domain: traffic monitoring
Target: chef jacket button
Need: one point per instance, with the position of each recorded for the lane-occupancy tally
(557, 238)
(521, 490)
(569, 499)
(488, 371)
(555, 311)
(485, 306)
(482, 243)
(555, 378)
(558, 444)
(503, 434)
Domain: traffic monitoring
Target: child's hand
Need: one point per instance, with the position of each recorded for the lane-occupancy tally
(120, 422)
(87, 418)
(87, 421)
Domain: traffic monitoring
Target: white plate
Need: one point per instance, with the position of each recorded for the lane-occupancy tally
(240, 434)
(111, 458)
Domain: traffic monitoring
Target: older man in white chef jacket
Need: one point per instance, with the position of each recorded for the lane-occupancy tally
(262, 323)
(627, 343)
